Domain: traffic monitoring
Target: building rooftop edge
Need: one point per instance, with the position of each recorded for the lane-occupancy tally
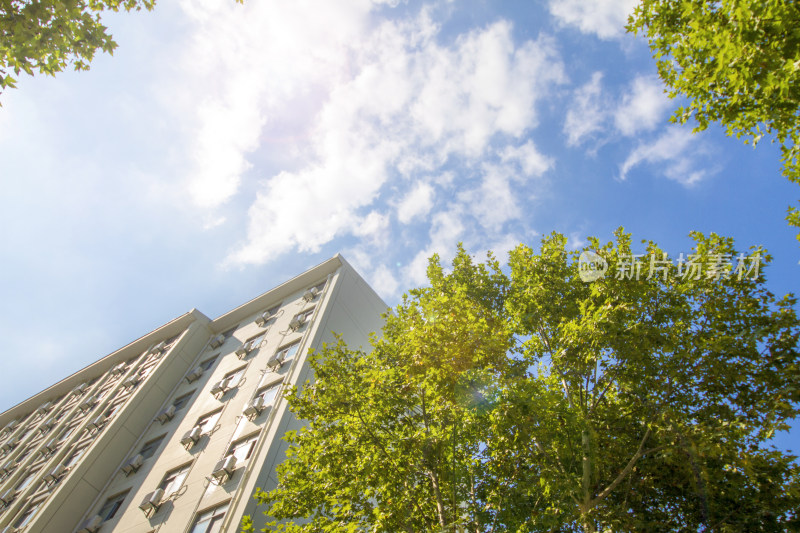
(175, 326)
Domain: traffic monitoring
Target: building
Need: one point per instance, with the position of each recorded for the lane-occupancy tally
(175, 431)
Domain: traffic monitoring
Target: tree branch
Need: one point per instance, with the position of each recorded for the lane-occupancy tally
(625, 471)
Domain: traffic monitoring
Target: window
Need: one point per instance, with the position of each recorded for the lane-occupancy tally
(76, 455)
(24, 482)
(285, 353)
(255, 342)
(207, 422)
(112, 505)
(305, 316)
(113, 409)
(242, 449)
(148, 365)
(30, 511)
(66, 432)
(234, 377)
(25, 453)
(210, 521)
(174, 479)
(181, 401)
(150, 447)
(312, 292)
(320, 286)
(208, 363)
(267, 315)
(268, 393)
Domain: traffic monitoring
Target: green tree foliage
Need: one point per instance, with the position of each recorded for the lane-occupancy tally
(738, 63)
(533, 401)
(49, 35)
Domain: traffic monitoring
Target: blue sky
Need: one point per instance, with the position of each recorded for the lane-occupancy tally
(225, 148)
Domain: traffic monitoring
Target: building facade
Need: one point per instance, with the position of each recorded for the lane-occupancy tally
(175, 431)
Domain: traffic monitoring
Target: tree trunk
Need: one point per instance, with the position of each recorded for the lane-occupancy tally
(586, 482)
(438, 495)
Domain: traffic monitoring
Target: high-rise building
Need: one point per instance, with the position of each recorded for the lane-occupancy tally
(175, 431)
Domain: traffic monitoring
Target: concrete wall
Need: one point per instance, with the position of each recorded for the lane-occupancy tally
(347, 306)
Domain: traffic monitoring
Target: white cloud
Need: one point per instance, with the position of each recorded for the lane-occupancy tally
(604, 18)
(500, 247)
(587, 111)
(242, 66)
(417, 203)
(530, 160)
(677, 152)
(575, 241)
(373, 225)
(384, 282)
(409, 106)
(446, 230)
(643, 107)
(494, 202)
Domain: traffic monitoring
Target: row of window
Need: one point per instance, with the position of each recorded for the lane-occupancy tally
(209, 521)
(63, 405)
(85, 405)
(30, 510)
(240, 450)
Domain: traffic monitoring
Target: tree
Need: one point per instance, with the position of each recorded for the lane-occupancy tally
(534, 401)
(49, 35)
(738, 63)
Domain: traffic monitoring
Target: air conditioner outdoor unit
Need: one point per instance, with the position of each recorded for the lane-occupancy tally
(194, 374)
(297, 322)
(8, 497)
(274, 362)
(224, 469)
(42, 409)
(133, 465)
(10, 426)
(97, 423)
(263, 319)
(80, 389)
(54, 474)
(87, 404)
(220, 387)
(9, 445)
(47, 425)
(310, 294)
(119, 369)
(6, 469)
(151, 502)
(131, 382)
(244, 349)
(158, 348)
(92, 525)
(254, 408)
(218, 341)
(191, 437)
(51, 445)
(166, 415)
